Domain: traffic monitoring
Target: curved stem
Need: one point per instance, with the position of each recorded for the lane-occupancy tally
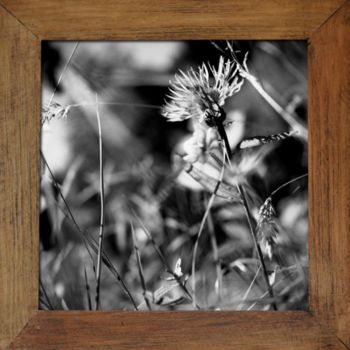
(89, 242)
(63, 72)
(202, 225)
(214, 245)
(102, 215)
(257, 246)
(287, 183)
(223, 135)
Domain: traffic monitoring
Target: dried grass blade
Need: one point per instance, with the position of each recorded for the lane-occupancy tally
(139, 265)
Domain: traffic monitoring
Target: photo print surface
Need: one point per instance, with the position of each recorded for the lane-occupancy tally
(174, 176)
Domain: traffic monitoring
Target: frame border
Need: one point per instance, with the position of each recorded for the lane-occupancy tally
(326, 26)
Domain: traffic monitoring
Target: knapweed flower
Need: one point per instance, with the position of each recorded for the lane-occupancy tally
(267, 229)
(202, 93)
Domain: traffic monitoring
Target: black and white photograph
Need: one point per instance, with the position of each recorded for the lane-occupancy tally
(174, 175)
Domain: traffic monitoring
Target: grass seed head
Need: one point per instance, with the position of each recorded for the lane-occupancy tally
(267, 230)
(52, 111)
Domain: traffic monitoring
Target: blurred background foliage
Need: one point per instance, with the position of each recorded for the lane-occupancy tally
(131, 80)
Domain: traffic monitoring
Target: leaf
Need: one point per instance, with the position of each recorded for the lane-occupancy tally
(262, 140)
(224, 190)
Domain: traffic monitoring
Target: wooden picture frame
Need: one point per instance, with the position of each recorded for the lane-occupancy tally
(326, 26)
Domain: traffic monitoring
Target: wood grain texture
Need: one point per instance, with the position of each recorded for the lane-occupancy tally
(329, 173)
(176, 330)
(329, 162)
(169, 19)
(19, 141)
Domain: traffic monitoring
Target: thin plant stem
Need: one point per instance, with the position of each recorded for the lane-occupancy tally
(70, 214)
(63, 72)
(102, 214)
(214, 245)
(288, 183)
(288, 117)
(139, 264)
(87, 287)
(43, 304)
(64, 305)
(162, 257)
(265, 293)
(140, 105)
(107, 261)
(256, 244)
(90, 242)
(223, 135)
(195, 248)
(48, 302)
(202, 225)
(252, 232)
(249, 288)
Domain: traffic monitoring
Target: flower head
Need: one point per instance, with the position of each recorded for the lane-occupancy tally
(201, 93)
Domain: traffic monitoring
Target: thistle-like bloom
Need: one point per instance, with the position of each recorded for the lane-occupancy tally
(201, 93)
(267, 230)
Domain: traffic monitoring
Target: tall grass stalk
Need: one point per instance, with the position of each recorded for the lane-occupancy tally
(249, 288)
(163, 259)
(214, 245)
(257, 300)
(89, 242)
(139, 265)
(87, 287)
(288, 183)
(256, 244)
(102, 215)
(123, 104)
(203, 222)
(63, 72)
(70, 214)
(107, 261)
(47, 299)
(287, 115)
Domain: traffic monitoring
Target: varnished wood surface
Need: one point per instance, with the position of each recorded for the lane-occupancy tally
(172, 19)
(176, 330)
(24, 23)
(19, 142)
(329, 163)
